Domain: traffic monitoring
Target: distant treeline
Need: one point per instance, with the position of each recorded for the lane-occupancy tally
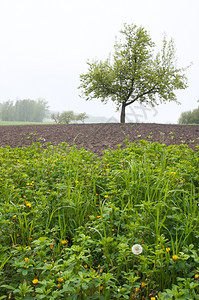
(26, 110)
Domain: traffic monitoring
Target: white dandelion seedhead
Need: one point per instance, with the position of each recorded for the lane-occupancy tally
(137, 249)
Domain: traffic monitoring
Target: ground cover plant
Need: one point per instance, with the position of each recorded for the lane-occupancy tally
(122, 226)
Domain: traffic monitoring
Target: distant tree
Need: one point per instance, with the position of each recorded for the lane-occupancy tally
(133, 73)
(55, 117)
(189, 117)
(7, 111)
(81, 117)
(66, 117)
(24, 110)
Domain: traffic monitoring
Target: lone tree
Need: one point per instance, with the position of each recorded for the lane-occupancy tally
(133, 73)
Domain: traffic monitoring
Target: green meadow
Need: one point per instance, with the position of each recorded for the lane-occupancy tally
(77, 226)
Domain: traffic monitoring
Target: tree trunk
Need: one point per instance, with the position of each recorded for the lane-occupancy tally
(122, 116)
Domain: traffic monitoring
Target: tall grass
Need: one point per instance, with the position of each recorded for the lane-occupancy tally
(69, 220)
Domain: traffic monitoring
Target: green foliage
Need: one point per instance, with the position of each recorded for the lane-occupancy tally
(24, 110)
(189, 117)
(67, 117)
(133, 73)
(69, 219)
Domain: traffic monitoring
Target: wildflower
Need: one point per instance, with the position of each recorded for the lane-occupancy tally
(59, 285)
(175, 257)
(27, 183)
(152, 298)
(143, 284)
(168, 249)
(196, 276)
(112, 229)
(137, 249)
(30, 239)
(45, 260)
(35, 281)
(14, 217)
(76, 181)
(173, 173)
(85, 266)
(183, 180)
(106, 196)
(60, 280)
(98, 217)
(101, 287)
(137, 289)
(64, 242)
(28, 204)
(26, 259)
(51, 246)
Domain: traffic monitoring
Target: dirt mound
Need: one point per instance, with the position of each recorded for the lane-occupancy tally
(97, 137)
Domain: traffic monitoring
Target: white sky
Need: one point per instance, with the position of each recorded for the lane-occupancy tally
(44, 46)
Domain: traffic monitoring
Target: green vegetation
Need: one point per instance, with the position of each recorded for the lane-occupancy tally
(133, 73)
(189, 117)
(67, 117)
(7, 123)
(69, 221)
(26, 110)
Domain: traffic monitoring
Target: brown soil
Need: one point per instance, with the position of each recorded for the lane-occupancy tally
(97, 137)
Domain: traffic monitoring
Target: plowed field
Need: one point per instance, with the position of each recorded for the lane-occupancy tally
(97, 137)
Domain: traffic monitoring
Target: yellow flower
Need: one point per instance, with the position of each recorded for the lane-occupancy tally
(14, 216)
(85, 266)
(98, 217)
(101, 288)
(76, 181)
(196, 276)
(28, 204)
(152, 298)
(175, 257)
(27, 183)
(45, 260)
(60, 280)
(59, 285)
(168, 249)
(26, 259)
(143, 284)
(35, 281)
(106, 196)
(137, 289)
(51, 246)
(64, 242)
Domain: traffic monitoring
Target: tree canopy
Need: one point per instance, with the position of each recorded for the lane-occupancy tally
(26, 110)
(67, 117)
(134, 73)
(189, 117)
